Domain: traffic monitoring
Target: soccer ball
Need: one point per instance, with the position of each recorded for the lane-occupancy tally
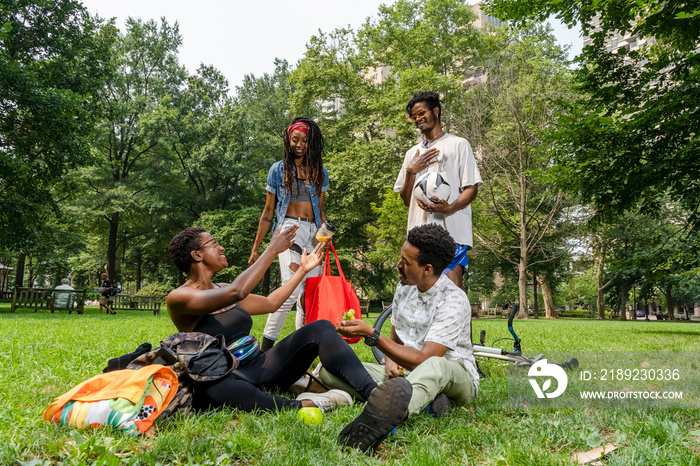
(431, 184)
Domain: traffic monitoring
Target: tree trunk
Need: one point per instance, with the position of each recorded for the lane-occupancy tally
(19, 273)
(600, 303)
(31, 278)
(112, 246)
(549, 311)
(522, 263)
(139, 260)
(522, 290)
(669, 302)
(535, 311)
(625, 289)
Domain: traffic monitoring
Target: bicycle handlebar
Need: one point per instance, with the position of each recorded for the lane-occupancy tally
(516, 343)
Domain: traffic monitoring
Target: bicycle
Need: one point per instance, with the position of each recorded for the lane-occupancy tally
(514, 357)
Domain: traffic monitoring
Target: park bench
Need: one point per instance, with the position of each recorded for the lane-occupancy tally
(364, 307)
(45, 298)
(137, 303)
(476, 309)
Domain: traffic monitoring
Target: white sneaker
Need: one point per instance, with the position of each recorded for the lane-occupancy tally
(328, 401)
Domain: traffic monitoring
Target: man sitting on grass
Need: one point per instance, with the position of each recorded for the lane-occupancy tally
(430, 343)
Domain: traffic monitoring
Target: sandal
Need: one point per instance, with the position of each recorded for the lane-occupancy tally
(308, 383)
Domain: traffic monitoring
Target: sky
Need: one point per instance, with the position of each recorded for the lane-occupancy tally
(244, 37)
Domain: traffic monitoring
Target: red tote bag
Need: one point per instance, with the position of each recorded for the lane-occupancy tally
(328, 297)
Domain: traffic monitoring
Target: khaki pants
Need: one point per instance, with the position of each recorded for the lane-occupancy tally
(434, 376)
(106, 302)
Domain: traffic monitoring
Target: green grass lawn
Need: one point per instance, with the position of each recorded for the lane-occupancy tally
(44, 355)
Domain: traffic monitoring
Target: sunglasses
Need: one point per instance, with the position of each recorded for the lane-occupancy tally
(418, 115)
(216, 244)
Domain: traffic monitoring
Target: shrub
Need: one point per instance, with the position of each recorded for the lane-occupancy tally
(577, 313)
(155, 289)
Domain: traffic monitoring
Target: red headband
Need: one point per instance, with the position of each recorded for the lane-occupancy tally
(299, 126)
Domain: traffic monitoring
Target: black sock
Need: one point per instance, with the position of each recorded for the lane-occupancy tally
(266, 344)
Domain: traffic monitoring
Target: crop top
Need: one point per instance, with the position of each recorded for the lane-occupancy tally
(301, 191)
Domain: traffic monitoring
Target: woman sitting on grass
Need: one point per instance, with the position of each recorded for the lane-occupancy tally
(225, 309)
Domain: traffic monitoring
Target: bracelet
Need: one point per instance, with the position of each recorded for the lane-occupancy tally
(410, 172)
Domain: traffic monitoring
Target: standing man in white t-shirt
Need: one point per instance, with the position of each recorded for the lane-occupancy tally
(452, 157)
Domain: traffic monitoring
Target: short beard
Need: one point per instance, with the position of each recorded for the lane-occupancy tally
(430, 128)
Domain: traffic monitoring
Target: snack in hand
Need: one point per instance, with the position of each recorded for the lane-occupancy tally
(350, 315)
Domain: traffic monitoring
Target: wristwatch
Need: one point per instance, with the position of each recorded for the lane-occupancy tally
(372, 340)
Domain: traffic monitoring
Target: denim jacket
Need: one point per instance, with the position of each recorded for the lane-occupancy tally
(275, 185)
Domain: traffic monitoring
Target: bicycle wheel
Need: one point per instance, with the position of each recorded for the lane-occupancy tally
(378, 355)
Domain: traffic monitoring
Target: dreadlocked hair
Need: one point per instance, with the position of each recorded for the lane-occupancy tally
(314, 156)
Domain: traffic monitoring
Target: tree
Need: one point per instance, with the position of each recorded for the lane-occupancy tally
(387, 244)
(130, 158)
(527, 77)
(688, 290)
(52, 64)
(632, 136)
(651, 250)
(579, 289)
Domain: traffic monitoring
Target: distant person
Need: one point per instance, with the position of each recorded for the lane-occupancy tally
(452, 157)
(63, 300)
(296, 188)
(200, 305)
(106, 298)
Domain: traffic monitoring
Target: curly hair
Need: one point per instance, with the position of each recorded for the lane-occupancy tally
(435, 246)
(431, 99)
(314, 155)
(182, 245)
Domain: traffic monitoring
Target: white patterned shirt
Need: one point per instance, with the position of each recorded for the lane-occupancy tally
(441, 315)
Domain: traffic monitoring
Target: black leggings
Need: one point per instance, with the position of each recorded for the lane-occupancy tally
(280, 367)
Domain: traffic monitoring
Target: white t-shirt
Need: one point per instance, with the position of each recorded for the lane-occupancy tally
(457, 166)
(441, 315)
(62, 299)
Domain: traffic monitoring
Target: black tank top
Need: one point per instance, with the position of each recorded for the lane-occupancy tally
(233, 323)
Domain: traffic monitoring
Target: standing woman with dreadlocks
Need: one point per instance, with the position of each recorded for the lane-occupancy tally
(296, 187)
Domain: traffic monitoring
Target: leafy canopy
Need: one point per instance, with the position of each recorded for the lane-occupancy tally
(633, 135)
